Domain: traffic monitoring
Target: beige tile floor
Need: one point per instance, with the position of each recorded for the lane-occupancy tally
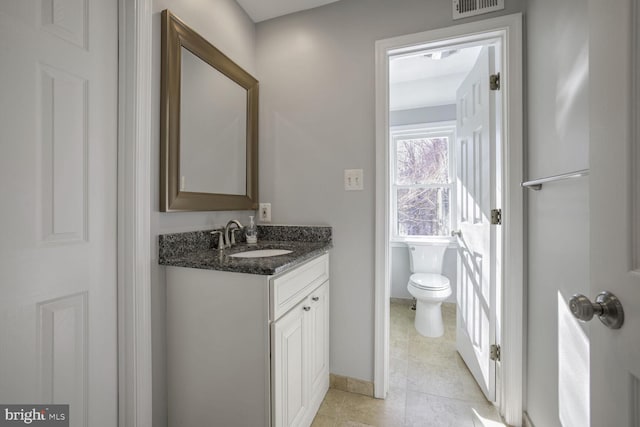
(429, 384)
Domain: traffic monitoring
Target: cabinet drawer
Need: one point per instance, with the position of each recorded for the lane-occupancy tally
(291, 288)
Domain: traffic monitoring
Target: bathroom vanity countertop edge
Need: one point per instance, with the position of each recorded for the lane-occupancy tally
(220, 260)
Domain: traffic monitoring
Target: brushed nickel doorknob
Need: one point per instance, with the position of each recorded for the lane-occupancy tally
(607, 307)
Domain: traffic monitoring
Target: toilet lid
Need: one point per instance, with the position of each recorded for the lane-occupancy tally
(434, 282)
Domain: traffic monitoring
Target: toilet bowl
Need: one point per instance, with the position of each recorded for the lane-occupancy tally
(428, 287)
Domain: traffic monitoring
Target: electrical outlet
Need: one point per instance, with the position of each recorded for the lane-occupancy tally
(265, 212)
(353, 179)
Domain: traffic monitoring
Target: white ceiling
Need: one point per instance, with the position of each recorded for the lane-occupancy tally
(420, 81)
(261, 10)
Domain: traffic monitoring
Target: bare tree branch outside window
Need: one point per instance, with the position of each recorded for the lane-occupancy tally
(422, 201)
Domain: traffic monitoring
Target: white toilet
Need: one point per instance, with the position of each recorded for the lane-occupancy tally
(428, 286)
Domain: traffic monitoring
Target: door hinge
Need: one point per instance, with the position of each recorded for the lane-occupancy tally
(496, 216)
(494, 81)
(494, 352)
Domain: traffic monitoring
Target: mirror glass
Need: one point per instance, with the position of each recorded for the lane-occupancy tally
(208, 126)
(213, 130)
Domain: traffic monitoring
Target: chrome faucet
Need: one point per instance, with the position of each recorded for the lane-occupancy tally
(229, 237)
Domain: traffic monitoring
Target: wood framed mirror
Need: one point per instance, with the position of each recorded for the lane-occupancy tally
(208, 125)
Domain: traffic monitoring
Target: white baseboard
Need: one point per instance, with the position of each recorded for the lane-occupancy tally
(526, 421)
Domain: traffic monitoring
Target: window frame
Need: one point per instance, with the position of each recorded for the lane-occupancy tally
(415, 131)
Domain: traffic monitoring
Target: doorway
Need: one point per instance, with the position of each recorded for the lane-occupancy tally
(443, 177)
(464, 201)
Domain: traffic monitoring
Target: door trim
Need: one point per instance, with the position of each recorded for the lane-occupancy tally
(134, 198)
(509, 29)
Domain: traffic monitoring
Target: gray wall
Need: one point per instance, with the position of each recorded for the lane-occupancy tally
(558, 141)
(439, 113)
(316, 71)
(227, 27)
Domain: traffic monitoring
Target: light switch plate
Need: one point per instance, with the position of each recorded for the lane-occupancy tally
(353, 179)
(264, 214)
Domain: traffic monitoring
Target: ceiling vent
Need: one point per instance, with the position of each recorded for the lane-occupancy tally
(465, 8)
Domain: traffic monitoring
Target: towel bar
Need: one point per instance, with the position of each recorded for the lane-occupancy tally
(536, 184)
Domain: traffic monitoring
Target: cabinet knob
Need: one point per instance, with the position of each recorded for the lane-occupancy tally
(306, 308)
(315, 298)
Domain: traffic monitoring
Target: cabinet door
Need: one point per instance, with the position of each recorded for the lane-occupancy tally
(319, 341)
(290, 379)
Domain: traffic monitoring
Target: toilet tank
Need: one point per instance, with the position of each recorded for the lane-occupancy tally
(426, 257)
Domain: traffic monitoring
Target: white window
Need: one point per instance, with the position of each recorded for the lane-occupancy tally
(422, 180)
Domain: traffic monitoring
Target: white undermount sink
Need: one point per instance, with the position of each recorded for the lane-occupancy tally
(261, 253)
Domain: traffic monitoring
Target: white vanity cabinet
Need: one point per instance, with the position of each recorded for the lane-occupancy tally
(300, 360)
(246, 349)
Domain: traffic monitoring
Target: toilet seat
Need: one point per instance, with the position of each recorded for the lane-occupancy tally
(429, 281)
(430, 291)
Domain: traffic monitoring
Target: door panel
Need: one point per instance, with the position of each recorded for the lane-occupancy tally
(614, 212)
(289, 367)
(319, 340)
(476, 245)
(58, 124)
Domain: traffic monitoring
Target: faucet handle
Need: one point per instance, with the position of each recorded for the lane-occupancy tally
(233, 235)
(220, 234)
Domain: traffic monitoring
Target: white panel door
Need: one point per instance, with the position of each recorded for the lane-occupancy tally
(476, 287)
(58, 130)
(614, 213)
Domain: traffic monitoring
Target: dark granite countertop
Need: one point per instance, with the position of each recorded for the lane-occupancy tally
(198, 250)
(219, 259)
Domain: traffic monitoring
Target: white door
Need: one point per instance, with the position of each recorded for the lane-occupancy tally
(614, 214)
(58, 130)
(477, 278)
